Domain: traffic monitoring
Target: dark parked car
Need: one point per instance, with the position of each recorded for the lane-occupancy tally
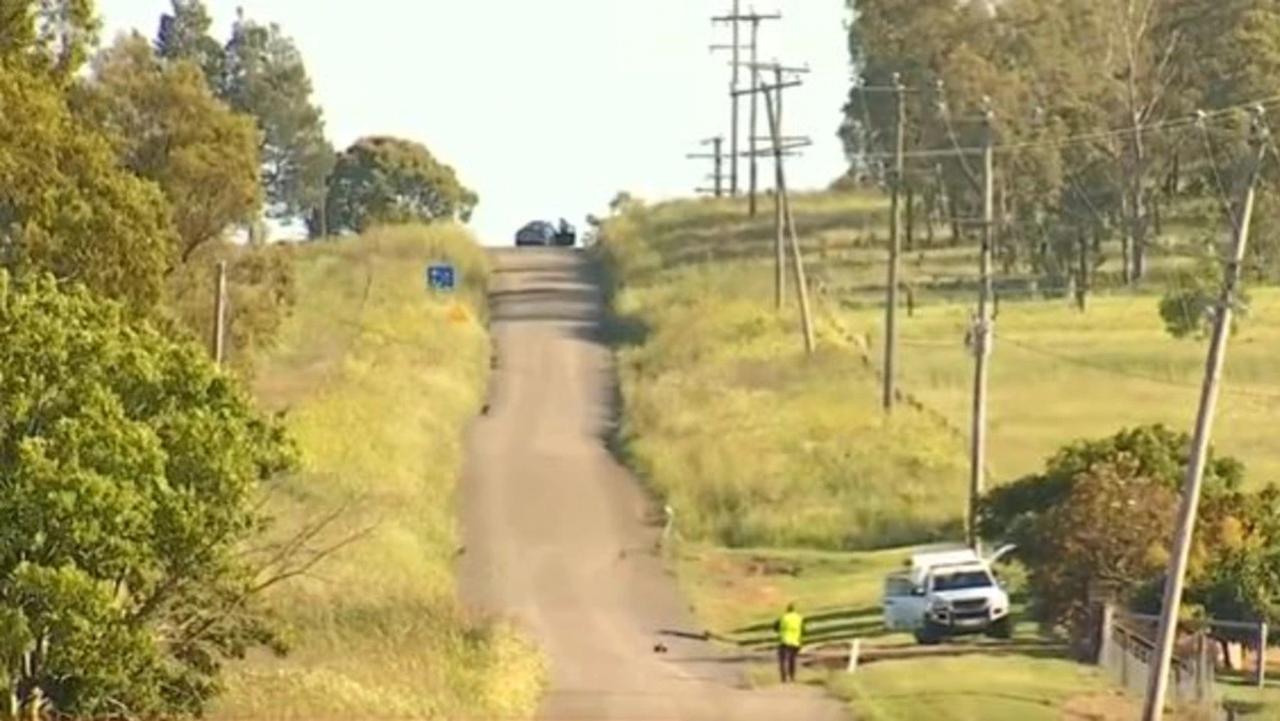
(540, 232)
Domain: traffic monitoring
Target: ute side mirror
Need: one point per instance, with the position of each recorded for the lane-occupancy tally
(917, 590)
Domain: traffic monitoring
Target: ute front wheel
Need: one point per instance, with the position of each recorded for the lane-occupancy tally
(930, 634)
(1002, 629)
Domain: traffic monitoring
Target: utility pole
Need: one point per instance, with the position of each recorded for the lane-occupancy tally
(780, 146)
(895, 250)
(735, 20)
(733, 89)
(784, 201)
(755, 114)
(717, 157)
(983, 331)
(1157, 683)
(218, 342)
(755, 19)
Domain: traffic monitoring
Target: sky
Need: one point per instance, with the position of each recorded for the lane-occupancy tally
(547, 109)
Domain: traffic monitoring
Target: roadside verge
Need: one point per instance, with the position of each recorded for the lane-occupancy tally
(378, 378)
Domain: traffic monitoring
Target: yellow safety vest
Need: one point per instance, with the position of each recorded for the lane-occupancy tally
(790, 629)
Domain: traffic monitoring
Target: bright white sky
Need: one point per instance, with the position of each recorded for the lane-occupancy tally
(547, 108)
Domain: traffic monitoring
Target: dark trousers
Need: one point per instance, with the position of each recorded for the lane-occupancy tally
(787, 656)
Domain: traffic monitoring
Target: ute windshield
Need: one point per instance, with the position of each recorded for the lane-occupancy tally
(962, 580)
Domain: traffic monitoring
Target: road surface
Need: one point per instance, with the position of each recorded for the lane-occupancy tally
(560, 537)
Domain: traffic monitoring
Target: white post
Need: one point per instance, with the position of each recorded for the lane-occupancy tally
(855, 648)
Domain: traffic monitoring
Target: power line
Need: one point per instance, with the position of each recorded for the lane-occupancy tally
(1172, 124)
(1132, 375)
(1217, 174)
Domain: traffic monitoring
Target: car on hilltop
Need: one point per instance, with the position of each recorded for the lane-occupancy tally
(543, 233)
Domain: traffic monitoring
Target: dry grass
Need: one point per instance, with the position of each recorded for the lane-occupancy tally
(378, 378)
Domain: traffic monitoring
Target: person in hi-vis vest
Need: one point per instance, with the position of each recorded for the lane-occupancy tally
(790, 630)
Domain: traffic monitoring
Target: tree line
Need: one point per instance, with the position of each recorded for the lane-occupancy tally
(135, 552)
(1094, 106)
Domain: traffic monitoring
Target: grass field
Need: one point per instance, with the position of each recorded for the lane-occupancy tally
(761, 449)
(1059, 375)
(378, 380)
(738, 593)
(703, 269)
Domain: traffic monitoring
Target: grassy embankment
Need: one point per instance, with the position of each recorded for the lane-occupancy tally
(759, 449)
(379, 379)
(752, 444)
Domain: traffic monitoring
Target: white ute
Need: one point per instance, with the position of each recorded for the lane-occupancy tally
(947, 591)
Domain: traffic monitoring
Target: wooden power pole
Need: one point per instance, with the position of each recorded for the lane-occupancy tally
(219, 339)
(1166, 635)
(717, 158)
(779, 146)
(983, 332)
(734, 20)
(895, 250)
(784, 200)
(754, 174)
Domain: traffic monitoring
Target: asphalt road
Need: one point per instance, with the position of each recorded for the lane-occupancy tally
(560, 537)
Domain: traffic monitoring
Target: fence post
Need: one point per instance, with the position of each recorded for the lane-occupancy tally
(1105, 627)
(855, 649)
(1206, 671)
(667, 528)
(1261, 671)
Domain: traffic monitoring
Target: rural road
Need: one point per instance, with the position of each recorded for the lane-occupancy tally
(558, 533)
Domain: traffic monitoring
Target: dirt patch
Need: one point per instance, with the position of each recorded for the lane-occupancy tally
(764, 566)
(1101, 707)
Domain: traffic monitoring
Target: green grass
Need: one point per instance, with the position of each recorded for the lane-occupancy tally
(992, 688)
(1058, 375)
(378, 379)
(738, 593)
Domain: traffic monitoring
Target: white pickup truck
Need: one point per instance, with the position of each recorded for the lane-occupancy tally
(948, 591)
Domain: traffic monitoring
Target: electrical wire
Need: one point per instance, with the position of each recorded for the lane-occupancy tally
(945, 112)
(1165, 125)
(1072, 360)
(1217, 174)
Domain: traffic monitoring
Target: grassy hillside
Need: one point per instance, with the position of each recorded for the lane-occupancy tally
(704, 269)
(752, 443)
(378, 379)
(791, 463)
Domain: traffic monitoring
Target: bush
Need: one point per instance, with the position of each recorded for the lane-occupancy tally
(1103, 513)
(1189, 306)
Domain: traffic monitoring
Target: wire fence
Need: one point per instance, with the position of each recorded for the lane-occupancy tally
(1126, 648)
(1126, 655)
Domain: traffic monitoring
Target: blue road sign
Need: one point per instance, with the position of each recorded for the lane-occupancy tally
(441, 277)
